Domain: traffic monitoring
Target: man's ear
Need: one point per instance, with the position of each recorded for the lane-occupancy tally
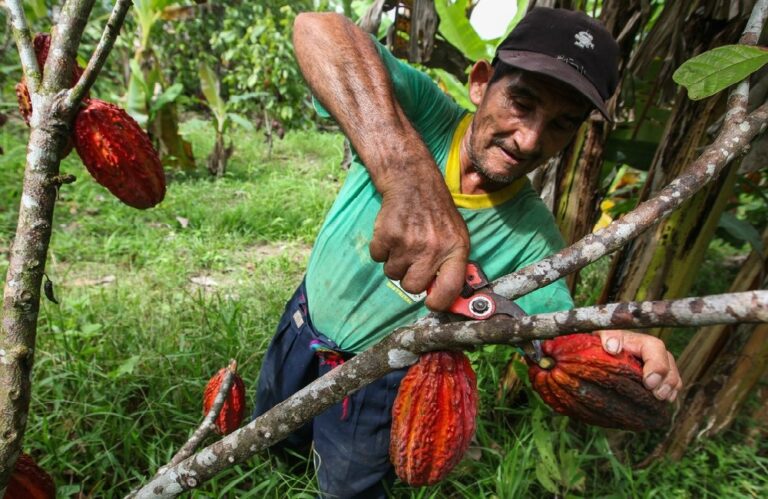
(478, 81)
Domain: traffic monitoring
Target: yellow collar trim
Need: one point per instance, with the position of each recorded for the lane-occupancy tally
(453, 177)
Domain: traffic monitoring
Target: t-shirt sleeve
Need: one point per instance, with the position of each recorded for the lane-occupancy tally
(428, 108)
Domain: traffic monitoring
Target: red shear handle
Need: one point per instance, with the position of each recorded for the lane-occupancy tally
(472, 304)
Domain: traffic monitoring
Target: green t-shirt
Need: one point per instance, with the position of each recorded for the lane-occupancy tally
(350, 299)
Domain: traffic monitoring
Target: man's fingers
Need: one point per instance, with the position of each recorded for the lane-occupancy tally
(660, 374)
(612, 340)
(378, 250)
(448, 284)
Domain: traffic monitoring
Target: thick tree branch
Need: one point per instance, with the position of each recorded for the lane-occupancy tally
(23, 38)
(65, 40)
(99, 57)
(50, 124)
(402, 349)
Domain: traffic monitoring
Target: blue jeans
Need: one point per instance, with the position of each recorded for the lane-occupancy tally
(351, 439)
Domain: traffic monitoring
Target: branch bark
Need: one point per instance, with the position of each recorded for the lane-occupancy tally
(99, 57)
(23, 38)
(402, 349)
(207, 426)
(50, 123)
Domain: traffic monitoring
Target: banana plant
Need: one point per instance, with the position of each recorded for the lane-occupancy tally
(210, 84)
(150, 99)
(459, 32)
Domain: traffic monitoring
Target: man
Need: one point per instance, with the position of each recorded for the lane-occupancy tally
(430, 187)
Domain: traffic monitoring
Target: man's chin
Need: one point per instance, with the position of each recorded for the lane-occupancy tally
(498, 179)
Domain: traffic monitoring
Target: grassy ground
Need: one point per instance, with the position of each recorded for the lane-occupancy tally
(153, 302)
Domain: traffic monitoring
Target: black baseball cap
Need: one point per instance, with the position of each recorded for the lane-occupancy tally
(568, 46)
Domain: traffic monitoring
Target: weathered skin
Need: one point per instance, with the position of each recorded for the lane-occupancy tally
(418, 233)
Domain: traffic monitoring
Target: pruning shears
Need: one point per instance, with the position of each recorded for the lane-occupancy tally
(477, 301)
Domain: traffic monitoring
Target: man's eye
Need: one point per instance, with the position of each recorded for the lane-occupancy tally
(521, 105)
(566, 125)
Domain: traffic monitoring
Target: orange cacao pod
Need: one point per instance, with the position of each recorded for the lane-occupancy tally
(29, 481)
(578, 378)
(433, 417)
(119, 154)
(233, 410)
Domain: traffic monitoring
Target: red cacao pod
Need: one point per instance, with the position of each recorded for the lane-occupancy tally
(233, 410)
(29, 481)
(578, 378)
(119, 154)
(433, 417)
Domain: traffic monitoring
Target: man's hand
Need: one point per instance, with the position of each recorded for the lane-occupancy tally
(660, 373)
(418, 235)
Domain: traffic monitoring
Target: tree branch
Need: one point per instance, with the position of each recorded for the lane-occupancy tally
(755, 23)
(402, 349)
(99, 57)
(65, 40)
(50, 127)
(23, 38)
(207, 426)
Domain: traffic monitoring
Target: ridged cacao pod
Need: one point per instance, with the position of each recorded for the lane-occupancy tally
(433, 417)
(233, 410)
(578, 378)
(29, 481)
(119, 154)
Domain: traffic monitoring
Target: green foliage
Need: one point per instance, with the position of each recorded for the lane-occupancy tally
(716, 69)
(258, 63)
(457, 30)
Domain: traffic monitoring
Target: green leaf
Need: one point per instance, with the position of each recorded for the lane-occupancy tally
(126, 367)
(546, 467)
(710, 72)
(242, 121)
(209, 83)
(742, 230)
(455, 27)
(169, 95)
(455, 88)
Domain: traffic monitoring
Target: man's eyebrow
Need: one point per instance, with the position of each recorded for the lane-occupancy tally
(522, 91)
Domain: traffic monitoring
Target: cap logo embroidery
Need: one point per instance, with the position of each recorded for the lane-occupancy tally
(573, 63)
(584, 40)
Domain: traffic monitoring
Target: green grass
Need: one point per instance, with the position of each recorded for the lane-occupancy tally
(122, 361)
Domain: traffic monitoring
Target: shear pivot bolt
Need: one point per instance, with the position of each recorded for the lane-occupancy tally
(480, 306)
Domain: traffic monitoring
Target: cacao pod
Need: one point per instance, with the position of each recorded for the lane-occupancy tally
(233, 410)
(433, 417)
(578, 378)
(29, 481)
(119, 154)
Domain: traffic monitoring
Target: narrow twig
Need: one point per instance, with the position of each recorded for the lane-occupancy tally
(99, 57)
(207, 426)
(402, 348)
(26, 49)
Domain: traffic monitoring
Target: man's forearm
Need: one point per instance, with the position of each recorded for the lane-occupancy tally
(346, 74)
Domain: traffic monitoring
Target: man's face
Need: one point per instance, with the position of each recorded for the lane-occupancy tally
(522, 120)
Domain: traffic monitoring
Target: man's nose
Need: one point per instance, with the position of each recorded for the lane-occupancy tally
(529, 136)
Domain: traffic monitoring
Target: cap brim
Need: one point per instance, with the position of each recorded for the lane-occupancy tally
(557, 69)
